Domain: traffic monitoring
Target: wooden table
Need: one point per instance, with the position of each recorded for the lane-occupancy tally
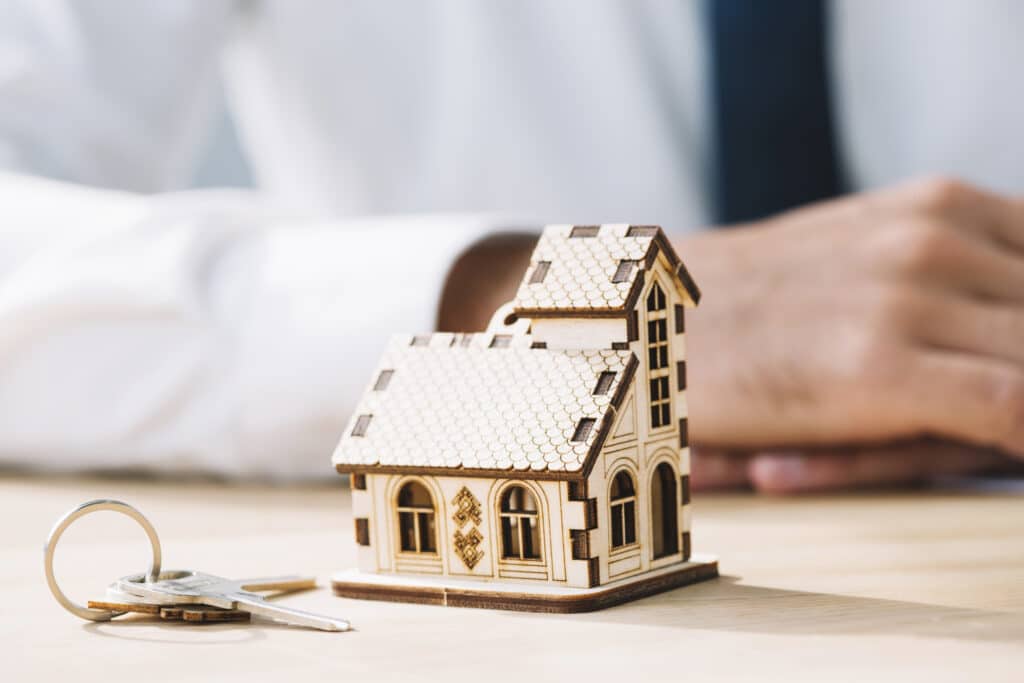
(906, 586)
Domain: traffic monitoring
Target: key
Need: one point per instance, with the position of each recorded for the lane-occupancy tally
(126, 607)
(189, 587)
(203, 614)
(191, 613)
(119, 601)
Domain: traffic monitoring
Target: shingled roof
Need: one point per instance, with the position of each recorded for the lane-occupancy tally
(485, 405)
(587, 270)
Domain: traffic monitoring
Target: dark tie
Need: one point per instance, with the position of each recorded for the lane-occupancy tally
(773, 130)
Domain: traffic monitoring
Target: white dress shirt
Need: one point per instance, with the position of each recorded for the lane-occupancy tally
(145, 326)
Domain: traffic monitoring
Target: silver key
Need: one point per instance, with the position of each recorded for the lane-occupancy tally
(182, 587)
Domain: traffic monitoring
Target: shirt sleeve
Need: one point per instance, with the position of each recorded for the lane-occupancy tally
(199, 331)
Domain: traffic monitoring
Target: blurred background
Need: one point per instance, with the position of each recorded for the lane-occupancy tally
(194, 196)
(222, 162)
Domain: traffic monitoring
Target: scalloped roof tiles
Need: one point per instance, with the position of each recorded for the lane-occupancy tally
(581, 269)
(456, 402)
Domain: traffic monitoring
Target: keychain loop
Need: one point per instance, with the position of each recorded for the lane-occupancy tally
(64, 522)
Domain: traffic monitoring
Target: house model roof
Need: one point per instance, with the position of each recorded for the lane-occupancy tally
(594, 270)
(484, 404)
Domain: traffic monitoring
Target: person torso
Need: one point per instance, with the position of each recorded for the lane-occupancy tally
(594, 111)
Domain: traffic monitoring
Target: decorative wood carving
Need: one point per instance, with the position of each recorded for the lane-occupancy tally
(467, 546)
(467, 508)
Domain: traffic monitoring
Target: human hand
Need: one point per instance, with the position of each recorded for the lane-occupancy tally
(483, 278)
(881, 317)
(848, 467)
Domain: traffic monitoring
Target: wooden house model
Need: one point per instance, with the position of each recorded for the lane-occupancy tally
(543, 464)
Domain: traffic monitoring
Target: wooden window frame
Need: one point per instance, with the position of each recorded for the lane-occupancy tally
(534, 518)
(658, 359)
(419, 513)
(622, 504)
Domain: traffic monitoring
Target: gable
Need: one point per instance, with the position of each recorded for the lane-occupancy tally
(625, 426)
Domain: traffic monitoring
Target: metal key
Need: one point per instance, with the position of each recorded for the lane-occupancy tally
(181, 587)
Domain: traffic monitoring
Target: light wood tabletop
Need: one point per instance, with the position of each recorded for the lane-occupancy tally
(909, 586)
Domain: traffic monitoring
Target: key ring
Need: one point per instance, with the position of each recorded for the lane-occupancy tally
(64, 522)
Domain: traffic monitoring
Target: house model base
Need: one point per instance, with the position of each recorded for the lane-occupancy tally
(520, 596)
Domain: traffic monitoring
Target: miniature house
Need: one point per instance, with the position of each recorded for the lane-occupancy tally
(542, 464)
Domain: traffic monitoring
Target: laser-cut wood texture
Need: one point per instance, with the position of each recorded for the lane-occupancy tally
(550, 402)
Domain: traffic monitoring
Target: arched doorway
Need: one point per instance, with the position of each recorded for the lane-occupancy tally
(664, 511)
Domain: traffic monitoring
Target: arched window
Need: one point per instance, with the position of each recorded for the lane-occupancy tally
(623, 504)
(416, 519)
(657, 358)
(664, 511)
(520, 524)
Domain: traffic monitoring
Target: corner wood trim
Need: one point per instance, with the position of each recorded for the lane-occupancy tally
(362, 525)
(580, 541)
(578, 490)
(688, 284)
(684, 486)
(686, 546)
(680, 319)
(593, 572)
(681, 375)
(633, 326)
(684, 432)
(358, 482)
(633, 295)
(526, 602)
(590, 514)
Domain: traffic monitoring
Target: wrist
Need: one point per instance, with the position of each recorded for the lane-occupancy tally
(482, 278)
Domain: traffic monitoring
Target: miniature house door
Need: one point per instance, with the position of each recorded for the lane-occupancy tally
(664, 512)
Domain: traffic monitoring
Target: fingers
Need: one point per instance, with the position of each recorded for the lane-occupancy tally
(804, 472)
(717, 469)
(955, 260)
(962, 396)
(989, 271)
(983, 328)
(999, 218)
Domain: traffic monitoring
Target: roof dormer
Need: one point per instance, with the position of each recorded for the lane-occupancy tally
(584, 282)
